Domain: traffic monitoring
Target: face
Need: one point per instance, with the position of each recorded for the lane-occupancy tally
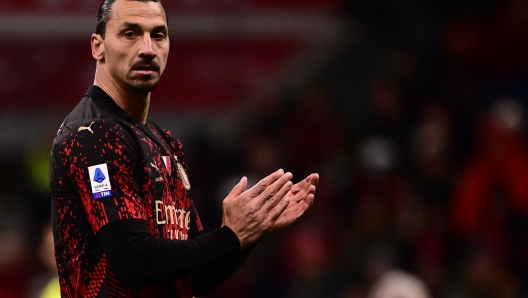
(136, 45)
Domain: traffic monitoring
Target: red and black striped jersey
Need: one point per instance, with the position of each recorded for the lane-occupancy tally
(106, 167)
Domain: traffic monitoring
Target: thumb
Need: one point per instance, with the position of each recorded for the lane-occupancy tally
(235, 192)
(238, 189)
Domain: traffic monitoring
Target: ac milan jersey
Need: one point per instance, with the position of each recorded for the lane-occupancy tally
(105, 167)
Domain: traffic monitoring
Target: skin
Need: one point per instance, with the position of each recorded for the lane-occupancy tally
(133, 54)
(130, 61)
(271, 205)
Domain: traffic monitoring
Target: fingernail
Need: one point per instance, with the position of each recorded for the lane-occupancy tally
(280, 171)
(289, 175)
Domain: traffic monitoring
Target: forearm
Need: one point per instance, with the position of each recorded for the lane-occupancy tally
(210, 278)
(139, 259)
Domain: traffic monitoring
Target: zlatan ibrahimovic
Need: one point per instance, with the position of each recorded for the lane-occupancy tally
(116, 182)
(124, 225)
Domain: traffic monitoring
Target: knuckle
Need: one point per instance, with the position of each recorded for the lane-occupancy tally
(270, 192)
(263, 184)
(252, 211)
(266, 225)
(226, 202)
(271, 203)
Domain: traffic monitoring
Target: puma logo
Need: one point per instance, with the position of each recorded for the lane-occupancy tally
(154, 166)
(88, 128)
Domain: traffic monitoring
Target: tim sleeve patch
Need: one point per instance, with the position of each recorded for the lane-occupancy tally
(101, 187)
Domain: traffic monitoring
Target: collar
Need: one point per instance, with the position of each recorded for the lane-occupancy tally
(98, 95)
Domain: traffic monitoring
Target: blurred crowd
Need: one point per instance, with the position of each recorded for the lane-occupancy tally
(418, 133)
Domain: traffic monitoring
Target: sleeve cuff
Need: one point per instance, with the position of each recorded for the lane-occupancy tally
(229, 237)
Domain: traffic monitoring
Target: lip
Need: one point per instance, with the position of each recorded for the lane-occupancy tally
(144, 71)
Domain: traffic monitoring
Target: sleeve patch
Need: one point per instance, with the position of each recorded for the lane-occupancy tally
(101, 187)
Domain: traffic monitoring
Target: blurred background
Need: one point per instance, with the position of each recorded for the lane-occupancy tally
(412, 112)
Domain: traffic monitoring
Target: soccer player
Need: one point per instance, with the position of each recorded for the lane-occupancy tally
(124, 225)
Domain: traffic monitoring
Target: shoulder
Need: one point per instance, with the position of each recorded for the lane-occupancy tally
(88, 126)
(89, 118)
(88, 115)
(95, 128)
(88, 142)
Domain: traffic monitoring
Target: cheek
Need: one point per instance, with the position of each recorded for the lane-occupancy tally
(116, 57)
(163, 59)
(119, 66)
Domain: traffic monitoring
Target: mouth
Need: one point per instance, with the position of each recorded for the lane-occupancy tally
(146, 69)
(144, 72)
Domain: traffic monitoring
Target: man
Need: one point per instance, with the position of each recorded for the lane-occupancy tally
(124, 225)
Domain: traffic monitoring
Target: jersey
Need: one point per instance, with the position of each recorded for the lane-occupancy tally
(106, 166)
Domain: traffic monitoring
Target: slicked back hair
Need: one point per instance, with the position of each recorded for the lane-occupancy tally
(104, 15)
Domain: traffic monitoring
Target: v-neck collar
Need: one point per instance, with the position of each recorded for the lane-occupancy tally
(101, 97)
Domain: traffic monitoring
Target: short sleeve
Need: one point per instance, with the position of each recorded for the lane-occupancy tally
(102, 158)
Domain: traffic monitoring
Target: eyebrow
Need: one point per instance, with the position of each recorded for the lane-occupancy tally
(137, 26)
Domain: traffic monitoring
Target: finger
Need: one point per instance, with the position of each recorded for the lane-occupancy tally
(309, 201)
(279, 196)
(303, 194)
(312, 189)
(308, 185)
(311, 179)
(264, 183)
(275, 189)
(299, 208)
(278, 209)
(314, 179)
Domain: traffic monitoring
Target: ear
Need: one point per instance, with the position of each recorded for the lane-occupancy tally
(98, 48)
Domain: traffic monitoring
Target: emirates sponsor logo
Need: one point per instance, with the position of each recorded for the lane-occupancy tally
(170, 215)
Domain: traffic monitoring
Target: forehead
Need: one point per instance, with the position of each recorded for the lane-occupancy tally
(138, 12)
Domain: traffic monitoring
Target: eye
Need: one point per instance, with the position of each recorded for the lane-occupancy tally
(158, 36)
(129, 34)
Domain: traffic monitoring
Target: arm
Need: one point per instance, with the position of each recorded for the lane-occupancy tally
(140, 259)
(207, 280)
(120, 221)
(300, 198)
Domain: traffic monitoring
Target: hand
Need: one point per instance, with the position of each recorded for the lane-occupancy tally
(251, 214)
(301, 197)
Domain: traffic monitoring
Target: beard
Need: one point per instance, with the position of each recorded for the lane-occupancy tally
(144, 83)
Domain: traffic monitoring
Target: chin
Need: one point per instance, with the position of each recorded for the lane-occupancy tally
(144, 86)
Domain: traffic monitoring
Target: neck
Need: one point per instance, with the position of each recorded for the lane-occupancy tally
(134, 103)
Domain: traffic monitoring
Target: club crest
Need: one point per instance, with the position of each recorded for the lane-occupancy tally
(183, 175)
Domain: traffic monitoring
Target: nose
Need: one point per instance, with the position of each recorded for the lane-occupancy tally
(146, 49)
